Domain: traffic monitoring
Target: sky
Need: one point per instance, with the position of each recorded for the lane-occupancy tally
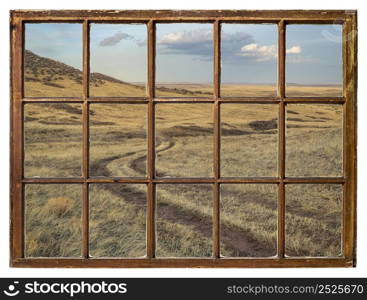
(184, 51)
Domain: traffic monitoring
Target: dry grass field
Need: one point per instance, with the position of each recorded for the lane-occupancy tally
(184, 147)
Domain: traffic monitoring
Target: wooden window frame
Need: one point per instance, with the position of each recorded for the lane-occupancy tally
(348, 19)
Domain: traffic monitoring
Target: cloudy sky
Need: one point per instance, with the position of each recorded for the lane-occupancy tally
(185, 51)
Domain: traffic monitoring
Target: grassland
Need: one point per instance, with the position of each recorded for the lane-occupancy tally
(184, 148)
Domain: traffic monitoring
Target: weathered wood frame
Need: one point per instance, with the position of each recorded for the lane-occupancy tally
(349, 101)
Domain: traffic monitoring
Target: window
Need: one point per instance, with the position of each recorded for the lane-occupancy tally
(183, 138)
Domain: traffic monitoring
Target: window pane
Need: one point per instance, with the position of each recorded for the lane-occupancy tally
(184, 220)
(313, 219)
(249, 140)
(184, 140)
(118, 58)
(249, 60)
(184, 60)
(314, 140)
(118, 220)
(118, 145)
(53, 220)
(314, 60)
(53, 60)
(248, 220)
(52, 140)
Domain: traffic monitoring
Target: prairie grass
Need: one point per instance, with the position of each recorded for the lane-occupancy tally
(53, 220)
(184, 148)
(117, 220)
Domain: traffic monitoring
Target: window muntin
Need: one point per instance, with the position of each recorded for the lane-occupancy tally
(216, 181)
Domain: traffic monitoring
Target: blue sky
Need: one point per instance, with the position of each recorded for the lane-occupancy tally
(60, 41)
(253, 59)
(119, 50)
(185, 51)
(320, 60)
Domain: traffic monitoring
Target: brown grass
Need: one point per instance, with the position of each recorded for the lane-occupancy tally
(58, 206)
(184, 146)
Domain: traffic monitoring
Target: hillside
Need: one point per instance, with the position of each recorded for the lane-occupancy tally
(45, 77)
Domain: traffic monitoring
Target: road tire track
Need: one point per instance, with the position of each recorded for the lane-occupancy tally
(233, 237)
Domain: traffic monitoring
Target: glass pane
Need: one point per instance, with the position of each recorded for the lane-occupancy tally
(249, 140)
(313, 219)
(118, 145)
(53, 60)
(248, 220)
(118, 60)
(117, 220)
(184, 140)
(52, 140)
(314, 140)
(184, 220)
(249, 60)
(53, 220)
(184, 60)
(314, 64)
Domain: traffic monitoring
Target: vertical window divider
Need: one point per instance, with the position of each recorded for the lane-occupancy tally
(350, 137)
(151, 142)
(85, 114)
(281, 139)
(17, 142)
(216, 152)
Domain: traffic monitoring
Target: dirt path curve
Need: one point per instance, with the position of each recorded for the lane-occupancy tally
(233, 237)
(139, 164)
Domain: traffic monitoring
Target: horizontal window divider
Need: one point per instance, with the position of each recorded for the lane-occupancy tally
(314, 99)
(82, 180)
(330, 21)
(223, 180)
(186, 100)
(321, 262)
(249, 180)
(250, 99)
(312, 180)
(114, 20)
(79, 20)
(164, 20)
(186, 15)
(53, 100)
(117, 180)
(40, 180)
(184, 180)
(183, 100)
(117, 99)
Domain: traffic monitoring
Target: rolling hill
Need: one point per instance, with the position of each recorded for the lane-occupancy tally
(45, 77)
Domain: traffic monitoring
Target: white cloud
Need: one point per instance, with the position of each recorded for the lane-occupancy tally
(196, 42)
(265, 52)
(195, 36)
(259, 53)
(294, 50)
(199, 43)
(234, 46)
